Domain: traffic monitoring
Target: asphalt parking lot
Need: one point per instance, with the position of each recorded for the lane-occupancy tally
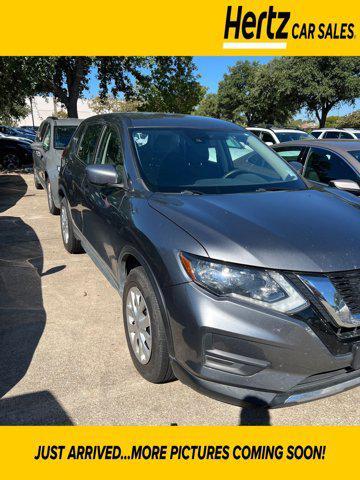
(63, 354)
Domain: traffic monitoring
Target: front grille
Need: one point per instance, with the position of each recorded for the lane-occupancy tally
(348, 285)
(339, 340)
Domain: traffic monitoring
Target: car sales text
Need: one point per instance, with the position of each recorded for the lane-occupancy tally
(274, 24)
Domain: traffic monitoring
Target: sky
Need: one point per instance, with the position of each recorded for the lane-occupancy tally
(212, 69)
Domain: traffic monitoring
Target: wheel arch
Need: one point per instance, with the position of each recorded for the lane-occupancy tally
(130, 257)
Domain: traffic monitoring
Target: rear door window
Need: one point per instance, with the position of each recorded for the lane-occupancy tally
(88, 142)
(323, 165)
(332, 134)
(316, 134)
(346, 135)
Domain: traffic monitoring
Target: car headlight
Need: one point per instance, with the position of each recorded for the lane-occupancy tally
(262, 287)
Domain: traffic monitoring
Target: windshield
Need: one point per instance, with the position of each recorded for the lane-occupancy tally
(356, 154)
(62, 135)
(209, 161)
(288, 136)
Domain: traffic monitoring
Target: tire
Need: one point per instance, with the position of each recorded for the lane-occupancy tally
(71, 243)
(37, 184)
(52, 207)
(152, 363)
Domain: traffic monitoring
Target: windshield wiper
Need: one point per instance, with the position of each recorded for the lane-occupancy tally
(191, 192)
(271, 189)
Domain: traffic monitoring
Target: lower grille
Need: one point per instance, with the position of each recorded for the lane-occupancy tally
(348, 285)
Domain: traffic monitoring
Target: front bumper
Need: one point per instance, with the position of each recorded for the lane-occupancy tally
(239, 353)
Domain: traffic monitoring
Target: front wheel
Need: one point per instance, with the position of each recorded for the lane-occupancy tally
(37, 184)
(144, 328)
(52, 207)
(71, 243)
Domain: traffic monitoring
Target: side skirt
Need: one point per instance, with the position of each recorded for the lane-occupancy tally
(99, 262)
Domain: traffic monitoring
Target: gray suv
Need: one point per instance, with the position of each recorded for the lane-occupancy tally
(52, 138)
(237, 277)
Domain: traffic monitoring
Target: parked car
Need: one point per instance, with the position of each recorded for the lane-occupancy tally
(14, 153)
(16, 132)
(236, 276)
(273, 136)
(30, 128)
(52, 138)
(333, 133)
(326, 162)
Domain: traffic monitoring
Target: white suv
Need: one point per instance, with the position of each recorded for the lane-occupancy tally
(272, 136)
(343, 133)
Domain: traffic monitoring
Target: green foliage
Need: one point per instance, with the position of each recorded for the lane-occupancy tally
(333, 121)
(19, 77)
(252, 90)
(236, 95)
(209, 106)
(158, 83)
(11, 116)
(111, 104)
(66, 78)
(350, 121)
(172, 86)
(320, 83)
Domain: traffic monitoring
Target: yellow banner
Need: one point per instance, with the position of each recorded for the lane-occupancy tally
(97, 452)
(221, 27)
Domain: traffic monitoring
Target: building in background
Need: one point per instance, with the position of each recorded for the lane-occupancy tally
(43, 107)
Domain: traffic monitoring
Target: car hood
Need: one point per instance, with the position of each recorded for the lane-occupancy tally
(306, 230)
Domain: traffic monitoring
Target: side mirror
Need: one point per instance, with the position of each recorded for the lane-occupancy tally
(103, 175)
(297, 166)
(348, 185)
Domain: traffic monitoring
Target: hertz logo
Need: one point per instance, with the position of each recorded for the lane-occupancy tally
(274, 26)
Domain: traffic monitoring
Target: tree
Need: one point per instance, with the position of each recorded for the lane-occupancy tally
(321, 83)
(172, 86)
(252, 90)
(236, 95)
(111, 104)
(350, 121)
(69, 77)
(19, 77)
(66, 78)
(209, 106)
(333, 121)
(275, 102)
(11, 117)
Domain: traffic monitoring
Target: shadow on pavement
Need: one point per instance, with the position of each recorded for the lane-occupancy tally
(22, 315)
(12, 188)
(254, 414)
(38, 408)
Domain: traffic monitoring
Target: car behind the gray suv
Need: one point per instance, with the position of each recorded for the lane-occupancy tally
(237, 277)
